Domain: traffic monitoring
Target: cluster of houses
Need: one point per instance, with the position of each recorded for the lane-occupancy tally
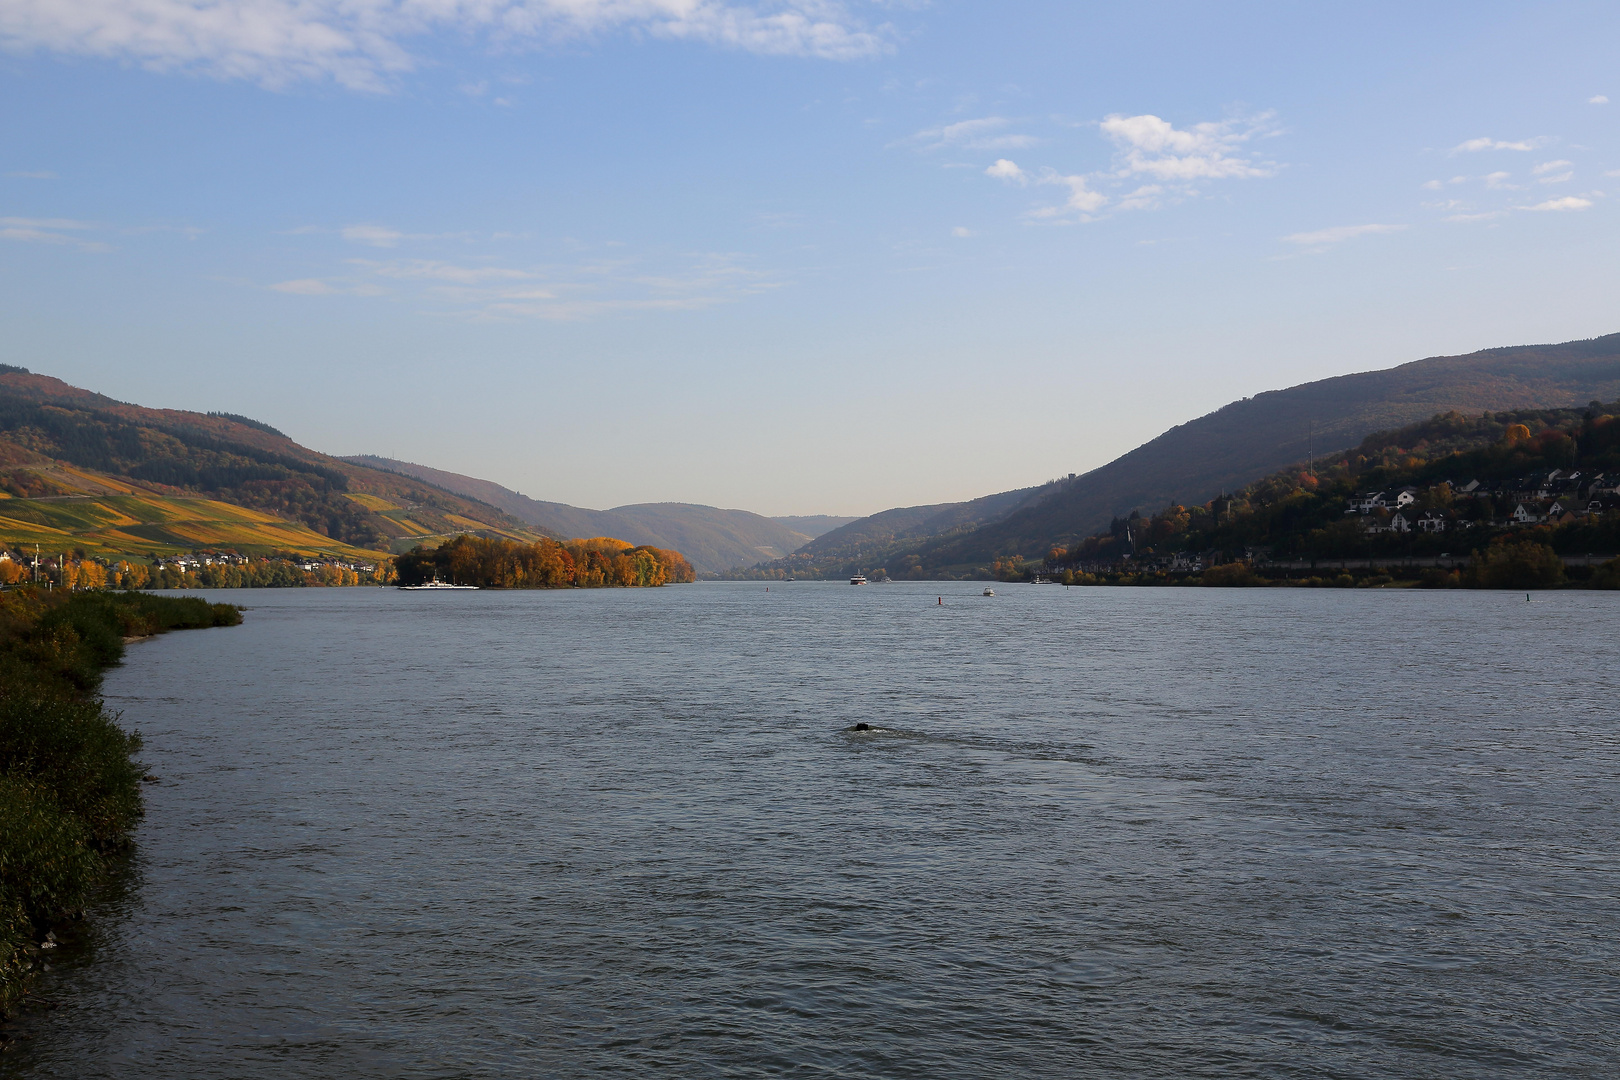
(1557, 496)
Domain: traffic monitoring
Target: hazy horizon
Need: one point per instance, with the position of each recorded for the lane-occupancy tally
(796, 257)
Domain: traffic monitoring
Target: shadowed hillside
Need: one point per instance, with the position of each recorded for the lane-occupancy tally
(1225, 450)
(711, 539)
(1248, 439)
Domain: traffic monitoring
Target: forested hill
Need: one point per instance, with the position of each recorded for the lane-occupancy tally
(712, 539)
(1246, 440)
(58, 440)
(1452, 483)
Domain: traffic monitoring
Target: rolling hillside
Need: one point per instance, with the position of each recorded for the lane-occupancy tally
(712, 539)
(1231, 447)
(80, 466)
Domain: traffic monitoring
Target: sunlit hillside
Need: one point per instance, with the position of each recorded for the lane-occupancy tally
(82, 470)
(144, 524)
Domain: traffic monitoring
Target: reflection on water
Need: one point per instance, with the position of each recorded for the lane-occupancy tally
(1088, 833)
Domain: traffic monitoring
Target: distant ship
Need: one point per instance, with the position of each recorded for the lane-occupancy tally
(858, 579)
(436, 584)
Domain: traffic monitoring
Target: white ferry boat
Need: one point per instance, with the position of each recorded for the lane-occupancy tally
(858, 579)
(435, 584)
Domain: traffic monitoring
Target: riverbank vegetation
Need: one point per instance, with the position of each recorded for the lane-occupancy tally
(69, 784)
(493, 563)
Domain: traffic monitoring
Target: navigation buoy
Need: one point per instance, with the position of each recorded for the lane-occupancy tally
(942, 601)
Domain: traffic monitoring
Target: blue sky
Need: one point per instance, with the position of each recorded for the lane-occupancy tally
(796, 257)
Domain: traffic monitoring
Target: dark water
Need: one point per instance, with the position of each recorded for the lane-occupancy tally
(1144, 833)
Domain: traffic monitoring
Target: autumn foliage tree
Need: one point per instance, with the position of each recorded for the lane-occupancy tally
(494, 563)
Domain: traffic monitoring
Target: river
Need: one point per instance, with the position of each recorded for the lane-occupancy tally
(1091, 833)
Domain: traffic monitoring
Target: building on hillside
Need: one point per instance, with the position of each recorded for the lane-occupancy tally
(1527, 512)
(1432, 521)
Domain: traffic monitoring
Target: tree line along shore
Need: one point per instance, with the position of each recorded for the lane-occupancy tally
(70, 787)
(598, 562)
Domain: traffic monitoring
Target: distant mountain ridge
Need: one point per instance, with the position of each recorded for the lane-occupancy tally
(712, 539)
(1224, 450)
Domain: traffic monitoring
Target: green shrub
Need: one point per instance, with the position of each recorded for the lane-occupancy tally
(71, 749)
(1233, 574)
(69, 786)
(1606, 576)
(1525, 564)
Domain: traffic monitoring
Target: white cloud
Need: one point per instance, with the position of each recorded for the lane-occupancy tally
(1433, 185)
(1338, 234)
(1598, 99)
(49, 231)
(1568, 202)
(1489, 215)
(961, 233)
(1208, 151)
(1475, 145)
(1559, 179)
(1552, 166)
(1498, 181)
(1177, 162)
(361, 43)
(39, 175)
(1007, 170)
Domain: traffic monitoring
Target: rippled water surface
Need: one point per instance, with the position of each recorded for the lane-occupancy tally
(1099, 832)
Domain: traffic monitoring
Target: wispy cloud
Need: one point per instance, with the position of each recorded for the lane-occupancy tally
(63, 231)
(1487, 215)
(1473, 146)
(1561, 171)
(361, 43)
(1321, 239)
(567, 291)
(1598, 99)
(374, 235)
(983, 133)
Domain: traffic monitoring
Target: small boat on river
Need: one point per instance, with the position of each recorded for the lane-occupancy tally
(435, 584)
(858, 579)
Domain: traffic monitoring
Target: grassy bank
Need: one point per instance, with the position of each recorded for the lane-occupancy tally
(69, 784)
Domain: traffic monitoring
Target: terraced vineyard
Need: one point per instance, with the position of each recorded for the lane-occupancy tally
(156, 525)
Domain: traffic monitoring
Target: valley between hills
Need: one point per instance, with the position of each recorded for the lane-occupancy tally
(82, 471)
